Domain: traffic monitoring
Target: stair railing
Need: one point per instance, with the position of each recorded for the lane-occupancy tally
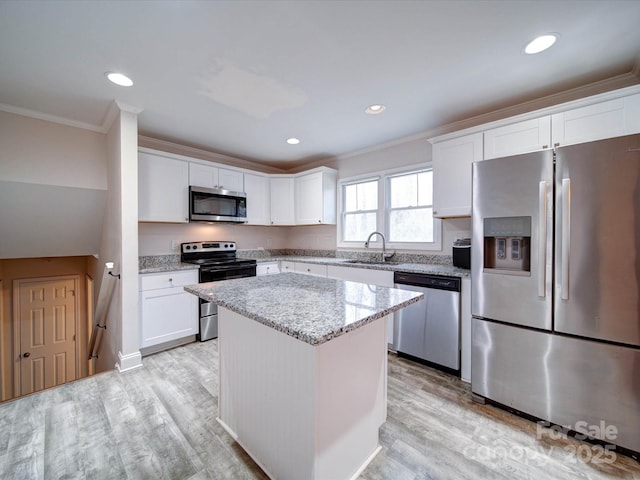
(104, 297)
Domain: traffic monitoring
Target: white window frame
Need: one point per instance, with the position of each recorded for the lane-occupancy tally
(383, 209)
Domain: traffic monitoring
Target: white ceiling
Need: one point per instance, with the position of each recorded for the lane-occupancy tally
(240, 77)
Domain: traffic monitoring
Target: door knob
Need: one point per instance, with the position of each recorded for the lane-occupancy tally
(26, 355)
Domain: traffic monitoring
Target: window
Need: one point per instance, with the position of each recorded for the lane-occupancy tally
(398, 204)
(359, 217)
(410, 212)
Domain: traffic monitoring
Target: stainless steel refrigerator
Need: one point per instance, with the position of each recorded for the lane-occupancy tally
(555, 278)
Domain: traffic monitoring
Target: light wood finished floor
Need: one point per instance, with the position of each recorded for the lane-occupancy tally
(158, 422)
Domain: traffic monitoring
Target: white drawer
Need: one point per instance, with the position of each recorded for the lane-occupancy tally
(311, 269)
(267, 268)
(179, 278)
(286, 266)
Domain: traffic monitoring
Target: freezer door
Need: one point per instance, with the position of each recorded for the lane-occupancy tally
(512, 217)
(597, 287)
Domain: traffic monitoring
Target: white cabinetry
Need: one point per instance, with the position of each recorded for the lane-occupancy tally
(282, 200)
(230, 180)
(267, 268)
(203, 175)
(163, 189)
(209, 176)
(258, 199)
(167, 312)
(452, 161)
(595, 122)
(383, 278)
(522, 137)
(310, 269)
(287, 266)
(315, 195)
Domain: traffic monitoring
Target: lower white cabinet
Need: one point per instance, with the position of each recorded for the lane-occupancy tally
(167, 312)
(287, 266)
(267, 268)
(383, 278)
(311, 269)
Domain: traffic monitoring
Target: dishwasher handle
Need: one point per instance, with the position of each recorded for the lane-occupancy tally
(437, 282)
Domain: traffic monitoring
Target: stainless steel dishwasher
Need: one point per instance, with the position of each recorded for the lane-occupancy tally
(429, 331)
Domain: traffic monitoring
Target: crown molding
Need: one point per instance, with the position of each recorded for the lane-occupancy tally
(383, 146)
(614, 87)
(25, 112)
(205, 155)
(636, 69)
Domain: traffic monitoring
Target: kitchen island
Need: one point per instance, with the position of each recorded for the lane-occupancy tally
(303, 370)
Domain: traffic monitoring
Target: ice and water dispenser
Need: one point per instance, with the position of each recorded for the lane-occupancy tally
(507, 245)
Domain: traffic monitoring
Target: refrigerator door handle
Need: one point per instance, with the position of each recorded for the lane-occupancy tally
(542, 238)
(566, 238)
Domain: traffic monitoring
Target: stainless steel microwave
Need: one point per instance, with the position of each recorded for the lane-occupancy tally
(217, 205)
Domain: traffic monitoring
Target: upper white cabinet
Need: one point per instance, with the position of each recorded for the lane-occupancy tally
(203, 175)
(315, 195)
(452, 160)
(595, 122)
(282, 200)
(258, 199)
(602, 116)
(213, 177)
(163, 189)
(230, 180)
(522, 137)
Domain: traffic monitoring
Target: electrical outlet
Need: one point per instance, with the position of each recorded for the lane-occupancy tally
(175, 245)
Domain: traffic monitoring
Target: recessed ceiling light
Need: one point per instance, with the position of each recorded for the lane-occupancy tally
(375, 109)
(540, 43)
(293, 141)
(119, 79)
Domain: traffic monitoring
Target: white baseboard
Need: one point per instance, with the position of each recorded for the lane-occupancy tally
(129, 362)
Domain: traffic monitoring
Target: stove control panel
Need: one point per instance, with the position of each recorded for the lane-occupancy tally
(208, 247)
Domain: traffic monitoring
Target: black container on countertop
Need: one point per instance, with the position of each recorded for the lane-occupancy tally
(462, 253)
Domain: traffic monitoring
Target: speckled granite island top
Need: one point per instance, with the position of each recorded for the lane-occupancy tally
(311, 309)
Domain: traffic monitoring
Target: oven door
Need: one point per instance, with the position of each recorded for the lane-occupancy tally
(227, 272)
(208, 310)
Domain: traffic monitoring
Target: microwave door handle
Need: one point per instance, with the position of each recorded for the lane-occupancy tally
(542, 238)
(566, 238)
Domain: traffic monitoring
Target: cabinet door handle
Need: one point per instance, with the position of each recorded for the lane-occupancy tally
(26, 355)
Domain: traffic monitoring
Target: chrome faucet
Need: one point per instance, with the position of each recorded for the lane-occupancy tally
(385, 257)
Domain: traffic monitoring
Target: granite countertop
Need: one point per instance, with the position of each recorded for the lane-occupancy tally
(169, 267)
(169, 263)
(433, 269)
(311, 309)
